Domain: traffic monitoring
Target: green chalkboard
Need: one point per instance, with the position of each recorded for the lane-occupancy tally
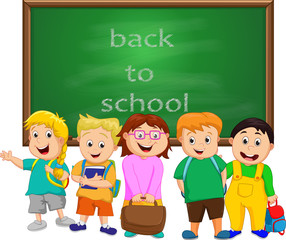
(112, 62)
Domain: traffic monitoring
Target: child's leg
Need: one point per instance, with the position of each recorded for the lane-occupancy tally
(83, 218)
(38, 217)
(60, 213)
(217, 225)
(58, 202)
(195, 227)
(103, 220)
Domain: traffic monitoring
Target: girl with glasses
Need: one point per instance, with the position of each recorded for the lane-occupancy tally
(144, 139)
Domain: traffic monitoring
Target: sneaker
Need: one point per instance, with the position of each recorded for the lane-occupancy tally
(109, 230)
(37, 225)
(189, 235)
(223, 235)
(159, 235)
(129, 234)
(260, 233)
(234, 233)
(64, 222)
(77, 227)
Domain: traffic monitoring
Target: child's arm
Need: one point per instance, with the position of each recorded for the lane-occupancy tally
(223, 177)
(268, 183)
(51, 171)
(8, 157)
(181, 185)
(96, 181)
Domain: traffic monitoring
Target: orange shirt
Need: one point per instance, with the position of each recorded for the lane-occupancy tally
(103, 194)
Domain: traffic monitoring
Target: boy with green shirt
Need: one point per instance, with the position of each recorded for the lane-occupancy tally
(252, 184)
(201, 176)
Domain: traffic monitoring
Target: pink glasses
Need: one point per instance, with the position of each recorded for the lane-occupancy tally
(140, 134)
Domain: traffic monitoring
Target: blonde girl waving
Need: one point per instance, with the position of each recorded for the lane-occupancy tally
(48, 135)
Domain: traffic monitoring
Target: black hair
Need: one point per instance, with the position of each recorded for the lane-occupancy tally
(257, 123)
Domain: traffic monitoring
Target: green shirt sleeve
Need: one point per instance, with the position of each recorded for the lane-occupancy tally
(221, 164)
(28, 163)
(268, 181)
(229, 169)
(180, 169)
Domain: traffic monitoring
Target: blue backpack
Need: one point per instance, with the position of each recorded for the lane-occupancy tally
(275, 219)
(114, 190)
(187, 168)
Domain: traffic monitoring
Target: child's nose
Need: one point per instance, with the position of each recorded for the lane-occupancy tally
(250, 147)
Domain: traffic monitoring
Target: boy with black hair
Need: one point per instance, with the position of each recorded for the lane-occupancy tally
(252, 184)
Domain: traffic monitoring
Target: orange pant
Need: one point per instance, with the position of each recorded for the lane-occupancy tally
(87, 207)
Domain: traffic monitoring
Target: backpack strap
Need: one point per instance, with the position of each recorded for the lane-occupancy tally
(82, 166)
(49, 178)
(105, 173)
(34, 163)
(215, 164)
(237, 174)
(217, 168)
(259, 171)
(106, 170)
(187, 168)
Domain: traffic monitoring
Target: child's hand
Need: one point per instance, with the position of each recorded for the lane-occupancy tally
(83, 181)
(6, 156)
(49, 169)
(272, 199)
(149, 198)
(96, 178)
(137, 198)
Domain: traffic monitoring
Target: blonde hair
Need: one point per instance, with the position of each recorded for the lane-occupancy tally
(109, 124)
(59, 128)
(196, 121)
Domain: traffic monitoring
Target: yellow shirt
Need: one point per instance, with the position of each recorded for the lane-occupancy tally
(103, 194)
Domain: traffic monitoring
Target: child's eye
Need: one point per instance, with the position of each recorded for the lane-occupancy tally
(245, 140)
(89, 143)
(48, 134)
(257, 141)
(101, 144)
(208, 140)
(35, 134)
(192, 140)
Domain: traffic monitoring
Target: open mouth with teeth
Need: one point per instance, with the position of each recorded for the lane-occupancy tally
(249, 157)
(44, 150)
(145, 148)
(200, 152)
(95, 155)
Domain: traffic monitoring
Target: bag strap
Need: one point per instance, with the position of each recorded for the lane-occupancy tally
(106, 170)
(105, 173)
(187, 168)
(34, 163)
(237, 174)
(49, 178)
(215, 164)
(259, 171)
(217, 168)
(82, 166)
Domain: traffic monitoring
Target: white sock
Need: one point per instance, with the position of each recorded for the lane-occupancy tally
(104, 225)
(82, 222)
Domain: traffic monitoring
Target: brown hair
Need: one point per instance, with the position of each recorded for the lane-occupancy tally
(137, 120)
(195, 121)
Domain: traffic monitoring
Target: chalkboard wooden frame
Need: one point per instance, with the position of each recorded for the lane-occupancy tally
(28, 4)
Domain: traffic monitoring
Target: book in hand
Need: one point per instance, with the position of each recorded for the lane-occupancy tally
(90, 172)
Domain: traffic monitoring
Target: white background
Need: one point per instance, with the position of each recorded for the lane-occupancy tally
(14, 216)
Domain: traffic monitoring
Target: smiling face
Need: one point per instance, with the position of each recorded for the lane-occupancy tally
(96, 145)
(43, 142)
(250, 146)
(200, 144)
(153, 143)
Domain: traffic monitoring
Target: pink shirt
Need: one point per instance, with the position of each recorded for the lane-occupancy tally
(142, 176)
